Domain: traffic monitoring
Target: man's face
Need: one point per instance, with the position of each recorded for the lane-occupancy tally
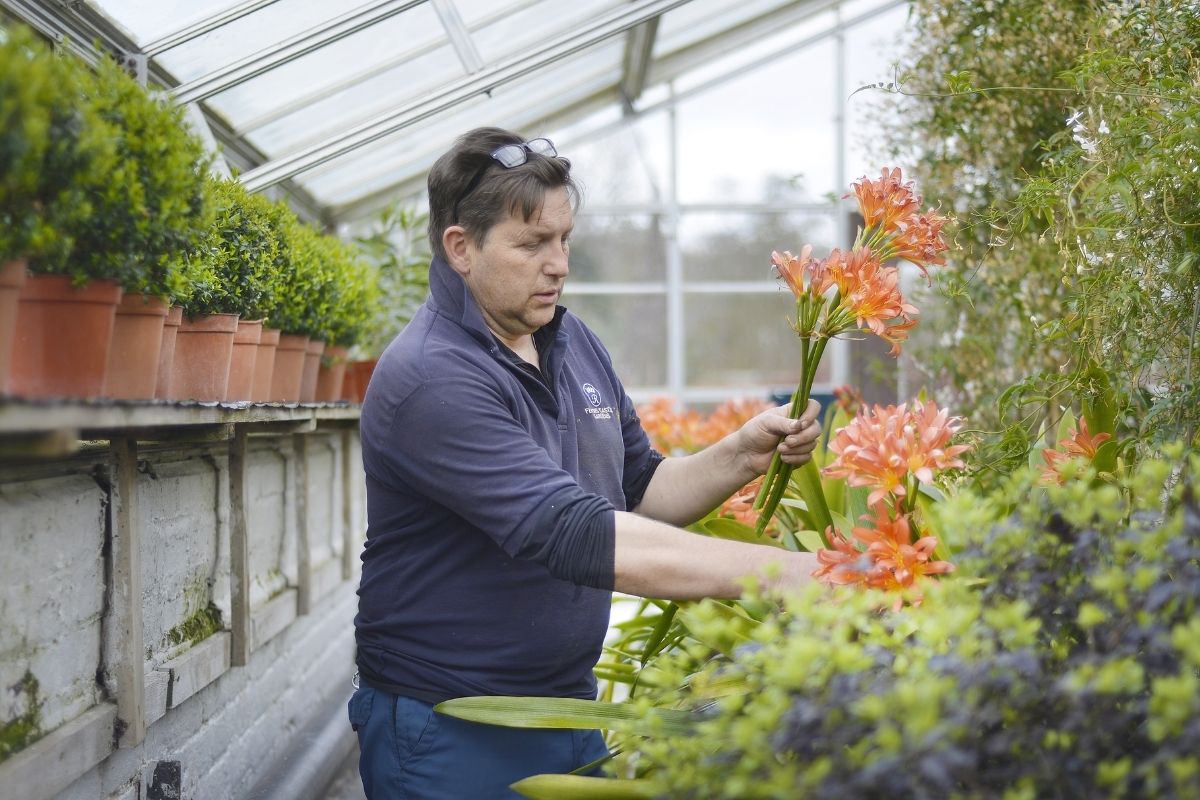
(517, 275)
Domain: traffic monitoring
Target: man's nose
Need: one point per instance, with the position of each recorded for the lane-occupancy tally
(556, 265)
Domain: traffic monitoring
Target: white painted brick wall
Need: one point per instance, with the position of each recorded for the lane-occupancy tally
(52, 595)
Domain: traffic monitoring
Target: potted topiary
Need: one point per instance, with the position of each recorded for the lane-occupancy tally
(247, 246)
(151, 212)
(300, 311)
(55, 155)
(355, 304)
(230, 279)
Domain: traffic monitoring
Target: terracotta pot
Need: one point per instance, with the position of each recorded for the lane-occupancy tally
(350, 385)
(63, 334)
(245, 357)
(203, 350)
(260, 392)
(331, 375)
(312, 365)
(289, 368)
(166, 353)
(132, 371)
(12, 278)
(362, 376)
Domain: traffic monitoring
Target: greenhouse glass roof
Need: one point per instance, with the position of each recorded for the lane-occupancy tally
(347, 103)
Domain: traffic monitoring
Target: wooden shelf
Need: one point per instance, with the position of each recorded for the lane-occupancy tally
(103, 419)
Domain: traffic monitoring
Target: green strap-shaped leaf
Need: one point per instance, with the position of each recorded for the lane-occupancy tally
(808, 479)
(563, 712)
(578, 787)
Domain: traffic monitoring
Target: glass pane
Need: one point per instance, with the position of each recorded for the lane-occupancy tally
(246, 36)
(535, 24)
(701, 19)
(774, 123)
(743, 340)
(409, 153)
(628, 165)
(319, 121)
(873, 48)
(737, 247)
(148, 21)
(332, 63)
(632, 327)
(618, 249)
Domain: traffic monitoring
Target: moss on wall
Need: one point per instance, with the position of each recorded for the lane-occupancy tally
(19, 733)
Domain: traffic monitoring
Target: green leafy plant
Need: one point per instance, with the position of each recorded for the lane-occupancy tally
(355, 303)
(398, 247)
(150, 209)
(55, 155)
(232, 270)
(1064, 136)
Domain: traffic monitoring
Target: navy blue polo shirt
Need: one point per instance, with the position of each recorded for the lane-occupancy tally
(488, 563)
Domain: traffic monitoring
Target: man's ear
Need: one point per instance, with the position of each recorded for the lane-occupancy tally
(456, 244)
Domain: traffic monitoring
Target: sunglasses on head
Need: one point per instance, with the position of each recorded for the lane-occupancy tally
(509, 156)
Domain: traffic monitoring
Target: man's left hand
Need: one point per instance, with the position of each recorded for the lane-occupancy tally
(795, 439)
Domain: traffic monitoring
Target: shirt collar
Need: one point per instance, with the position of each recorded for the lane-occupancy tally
(453, 299)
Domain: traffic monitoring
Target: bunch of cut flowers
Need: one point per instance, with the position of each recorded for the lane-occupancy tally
(858, 290)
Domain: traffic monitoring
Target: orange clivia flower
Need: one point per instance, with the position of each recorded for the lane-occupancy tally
(886, 202)
(803, 274)
(669, 429)
(921, 242)
(891, 561)
(741, 507)
(843, 565)
(727, 418)
(871, 292)
(881, 447)
(1080, 443)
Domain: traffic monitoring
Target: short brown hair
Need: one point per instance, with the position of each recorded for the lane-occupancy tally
(500, 191)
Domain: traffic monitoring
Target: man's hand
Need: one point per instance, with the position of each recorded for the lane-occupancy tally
(771, 430)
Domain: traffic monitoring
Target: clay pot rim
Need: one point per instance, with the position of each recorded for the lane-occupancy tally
(293, 341)
(209, 323)
(13, 273)
(137, 303)
(269, 333)
(105, 291)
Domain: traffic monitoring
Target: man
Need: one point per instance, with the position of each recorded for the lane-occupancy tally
(511, 488)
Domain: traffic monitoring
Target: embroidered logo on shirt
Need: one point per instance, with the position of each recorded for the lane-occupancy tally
(591, 394)
(593, 397)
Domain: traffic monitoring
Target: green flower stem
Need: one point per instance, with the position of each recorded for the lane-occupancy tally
(779, 474)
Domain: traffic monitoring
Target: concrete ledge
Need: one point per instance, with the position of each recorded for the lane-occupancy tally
(198, 667)
(52, 763)
(156, 694)
(269, 620)
(326, 578)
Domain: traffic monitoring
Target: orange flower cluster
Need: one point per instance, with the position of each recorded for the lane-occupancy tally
(674, 431)
(855, 289)
(741, 506)
(890, 449)
(891, 560)
(895, 224)
(883, 447)
(1079, 444)
(887, 202)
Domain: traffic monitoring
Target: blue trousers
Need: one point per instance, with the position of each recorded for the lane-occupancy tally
(410, 752)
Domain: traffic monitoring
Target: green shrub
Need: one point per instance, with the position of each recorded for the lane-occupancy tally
(398, 249)
(1067, 667)
(150, 210)
(354, 301)
(55, 154)
(302, 305)
(232, 271)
